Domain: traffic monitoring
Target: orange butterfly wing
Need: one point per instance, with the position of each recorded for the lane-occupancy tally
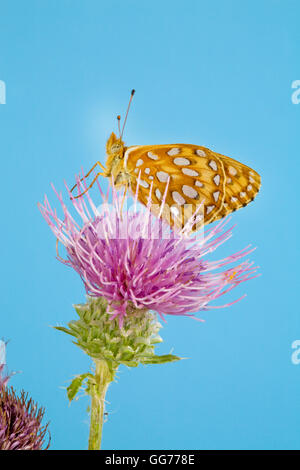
(196, 175)
(241, 186)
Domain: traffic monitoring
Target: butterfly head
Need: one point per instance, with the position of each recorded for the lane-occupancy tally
(114, 145)
(115, 157)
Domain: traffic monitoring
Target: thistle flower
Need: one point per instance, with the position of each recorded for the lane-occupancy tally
(20, 422)
(119, 256)
(20, 419)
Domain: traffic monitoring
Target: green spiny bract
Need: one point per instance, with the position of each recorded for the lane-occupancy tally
(101, 337)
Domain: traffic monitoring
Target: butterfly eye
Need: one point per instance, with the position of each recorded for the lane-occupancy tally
(115, 148)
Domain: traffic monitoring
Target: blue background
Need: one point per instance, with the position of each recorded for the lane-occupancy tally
(215, 73)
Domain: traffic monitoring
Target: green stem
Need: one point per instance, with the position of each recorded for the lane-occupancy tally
(103, 377)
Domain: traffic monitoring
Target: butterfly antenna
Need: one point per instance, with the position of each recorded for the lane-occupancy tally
(132, 93)
(119, 119)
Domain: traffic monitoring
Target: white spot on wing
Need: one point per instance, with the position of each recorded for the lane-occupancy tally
(189, 191)
(201, 153)
(209, 208)
(162, 176)
(189, 172)
(174, 151)
(243, 194)
(181, 161)
(144, 184)
(157, 193)
(147, 171)
(150, 177)
(152, 156)
(178, 198)
(213, 165)
(198, 183)
(217, 180)
(216, 195)
(234, 199)
(252, 180)
(232, 171)
(249, 187)
(139, 162)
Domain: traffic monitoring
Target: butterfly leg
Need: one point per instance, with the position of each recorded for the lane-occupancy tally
(88, 174)
(89, 187)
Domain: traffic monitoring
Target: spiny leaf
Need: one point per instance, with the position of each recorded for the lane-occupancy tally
(75, 385)
(160, 359)
(65, 330)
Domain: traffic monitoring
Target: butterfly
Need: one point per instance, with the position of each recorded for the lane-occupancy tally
(184, 176)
